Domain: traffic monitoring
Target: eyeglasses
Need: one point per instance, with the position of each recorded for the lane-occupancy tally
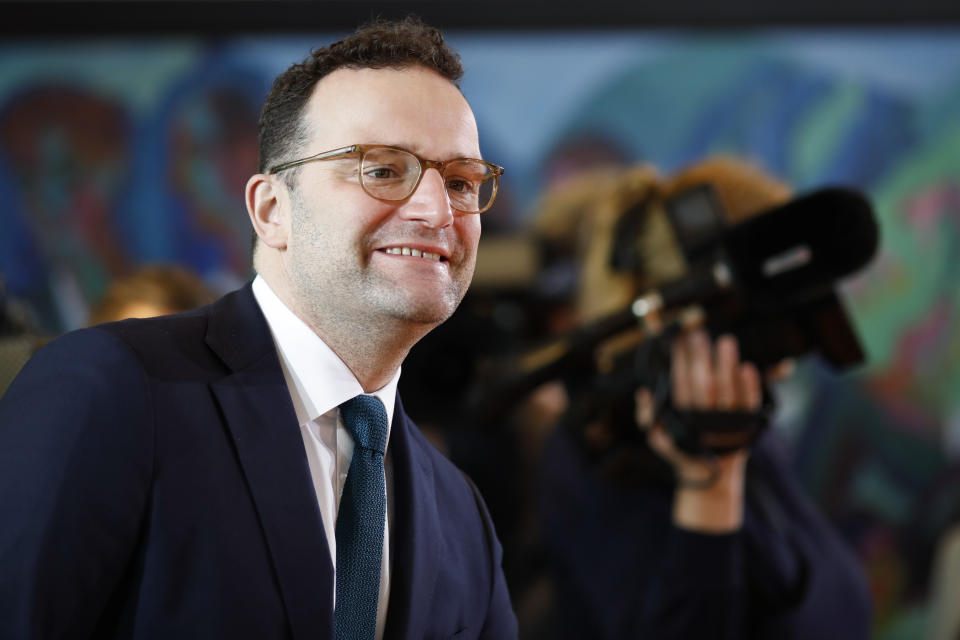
(391, 174)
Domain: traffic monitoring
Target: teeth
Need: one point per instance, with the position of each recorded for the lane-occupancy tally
(416, 253)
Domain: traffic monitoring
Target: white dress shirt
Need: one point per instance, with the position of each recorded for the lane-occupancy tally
(319, 382)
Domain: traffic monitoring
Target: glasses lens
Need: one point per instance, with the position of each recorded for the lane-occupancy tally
(470, 184)
(389, 173)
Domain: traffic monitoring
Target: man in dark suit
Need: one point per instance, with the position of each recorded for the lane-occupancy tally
(187, 476)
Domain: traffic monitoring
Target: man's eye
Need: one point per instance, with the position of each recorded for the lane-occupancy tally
(461, 186)
(381, 173)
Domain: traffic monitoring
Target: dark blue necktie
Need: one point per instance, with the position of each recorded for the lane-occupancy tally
(360, 521)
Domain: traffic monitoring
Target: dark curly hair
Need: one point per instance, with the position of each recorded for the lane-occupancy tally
(377, 45)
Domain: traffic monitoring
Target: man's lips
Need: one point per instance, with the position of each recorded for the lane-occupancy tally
(434, 254)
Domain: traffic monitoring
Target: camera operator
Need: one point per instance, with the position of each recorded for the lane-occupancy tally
(646, 540)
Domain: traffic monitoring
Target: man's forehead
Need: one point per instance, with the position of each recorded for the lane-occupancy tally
(410, 107)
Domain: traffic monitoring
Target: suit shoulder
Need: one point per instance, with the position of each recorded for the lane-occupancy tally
(81, 375)
(85, 347)
(140, 333)
(172, 345)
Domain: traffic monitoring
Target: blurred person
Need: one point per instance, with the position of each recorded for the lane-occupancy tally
(151, 291)
(246, 470)
(644, 540)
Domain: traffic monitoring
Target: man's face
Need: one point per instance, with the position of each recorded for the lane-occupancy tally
(337, 256)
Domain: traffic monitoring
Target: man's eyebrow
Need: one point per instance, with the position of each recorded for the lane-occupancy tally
(417, 149)
(412, 147)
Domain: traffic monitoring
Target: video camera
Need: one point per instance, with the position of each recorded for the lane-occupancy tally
(769, 280)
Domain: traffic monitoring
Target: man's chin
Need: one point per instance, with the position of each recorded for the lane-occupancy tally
(426, 317)
(427, 311)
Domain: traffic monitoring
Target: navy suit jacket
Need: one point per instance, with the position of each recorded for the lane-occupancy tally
(154, 484)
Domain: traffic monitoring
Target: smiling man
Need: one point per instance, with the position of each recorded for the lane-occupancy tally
(246, 470)
(366, 245)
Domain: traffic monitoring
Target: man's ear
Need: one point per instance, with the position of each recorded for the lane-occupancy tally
(269, 218)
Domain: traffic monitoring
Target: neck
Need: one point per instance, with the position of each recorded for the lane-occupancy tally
(372, 350)
(373, 353)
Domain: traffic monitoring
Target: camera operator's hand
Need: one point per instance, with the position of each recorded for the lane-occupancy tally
(710, 492)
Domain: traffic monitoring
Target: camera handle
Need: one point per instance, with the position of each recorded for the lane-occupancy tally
(700, 433)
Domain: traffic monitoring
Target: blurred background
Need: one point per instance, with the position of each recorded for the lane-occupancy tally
(128, 129)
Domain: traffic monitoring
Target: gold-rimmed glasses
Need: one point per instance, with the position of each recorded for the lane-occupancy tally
(391, 174)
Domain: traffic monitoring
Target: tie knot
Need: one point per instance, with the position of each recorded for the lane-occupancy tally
(366, 420)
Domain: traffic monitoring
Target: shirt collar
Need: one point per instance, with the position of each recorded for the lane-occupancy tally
(318, 379)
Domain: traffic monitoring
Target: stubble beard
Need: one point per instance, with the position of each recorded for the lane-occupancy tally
(362, 305)
(341, 291)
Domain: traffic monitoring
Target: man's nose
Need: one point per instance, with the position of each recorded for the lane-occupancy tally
(430, 203)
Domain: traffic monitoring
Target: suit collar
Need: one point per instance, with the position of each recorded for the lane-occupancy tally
(237, 331)
(317, 378)
(261, 420)
(417, 548)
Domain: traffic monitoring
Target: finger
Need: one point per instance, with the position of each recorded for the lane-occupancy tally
(645, 409)
(750, 394)
(725, 376)
(701, 371)
(680, 373)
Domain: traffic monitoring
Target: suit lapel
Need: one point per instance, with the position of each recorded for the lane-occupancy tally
(262, 422)
(417, 548)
